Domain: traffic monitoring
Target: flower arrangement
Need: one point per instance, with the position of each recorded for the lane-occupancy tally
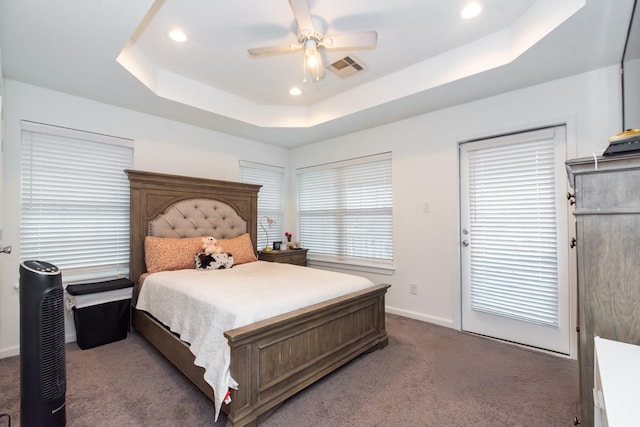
(291, 244)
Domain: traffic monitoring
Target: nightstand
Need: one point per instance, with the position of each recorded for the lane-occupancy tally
(290, 256)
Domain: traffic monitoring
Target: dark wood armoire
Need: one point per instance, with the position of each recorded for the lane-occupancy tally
(607, 212)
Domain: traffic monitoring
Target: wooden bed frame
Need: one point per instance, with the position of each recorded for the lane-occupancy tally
(272, 359)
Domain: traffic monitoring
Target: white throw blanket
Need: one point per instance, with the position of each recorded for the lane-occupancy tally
(200, 305)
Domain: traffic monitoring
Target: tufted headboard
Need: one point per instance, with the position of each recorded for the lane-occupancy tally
(177, 206)
(198, 217)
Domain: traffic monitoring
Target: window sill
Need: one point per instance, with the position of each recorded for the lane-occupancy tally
(375, 268)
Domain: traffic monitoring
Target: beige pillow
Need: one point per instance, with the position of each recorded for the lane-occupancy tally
(168, 253)
(240, 247)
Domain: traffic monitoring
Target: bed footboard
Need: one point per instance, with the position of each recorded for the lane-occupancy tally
(274, 359)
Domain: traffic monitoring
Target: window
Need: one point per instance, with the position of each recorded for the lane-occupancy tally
(75, 201)
(345, 211)
(270, 199)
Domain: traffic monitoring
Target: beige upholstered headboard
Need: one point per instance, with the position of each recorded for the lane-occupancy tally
(160, 203)
(198, 217)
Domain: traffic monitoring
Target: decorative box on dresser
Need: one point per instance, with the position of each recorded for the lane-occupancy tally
(607, 212)
(289, 256)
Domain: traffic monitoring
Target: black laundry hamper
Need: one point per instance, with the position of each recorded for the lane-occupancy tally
(101, 311)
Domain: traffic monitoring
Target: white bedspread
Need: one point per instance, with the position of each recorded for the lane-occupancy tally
(200, 305)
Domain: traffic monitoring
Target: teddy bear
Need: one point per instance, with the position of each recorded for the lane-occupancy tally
(210, 246)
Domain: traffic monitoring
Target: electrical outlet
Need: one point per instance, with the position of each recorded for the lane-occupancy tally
(413, 288)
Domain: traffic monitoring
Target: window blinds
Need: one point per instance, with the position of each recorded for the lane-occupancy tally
(513, 229)
(270, 199)
(345, 210)
(75, 201)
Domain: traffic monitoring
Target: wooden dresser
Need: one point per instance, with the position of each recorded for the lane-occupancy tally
(607, 213)
(289, 256)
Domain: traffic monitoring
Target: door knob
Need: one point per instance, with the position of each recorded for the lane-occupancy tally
(5, 250)
(465, 243)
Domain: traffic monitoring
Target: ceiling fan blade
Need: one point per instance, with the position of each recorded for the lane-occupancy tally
(302, 13)
(274, 50)
(363, 40)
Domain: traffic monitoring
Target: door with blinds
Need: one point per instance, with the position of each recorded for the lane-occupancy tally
(513, 237)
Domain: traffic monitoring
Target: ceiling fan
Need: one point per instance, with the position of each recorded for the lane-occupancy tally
(311, 38)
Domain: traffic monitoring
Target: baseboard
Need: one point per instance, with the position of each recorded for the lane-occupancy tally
(10, 351)
(14, 350)
(447, 323)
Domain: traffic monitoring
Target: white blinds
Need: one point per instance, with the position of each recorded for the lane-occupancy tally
(345, 210)
(513, 229)
(75, 201)
(270, 199)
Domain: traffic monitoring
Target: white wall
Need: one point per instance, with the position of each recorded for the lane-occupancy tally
(160, 146)
(632, 94)
(425, 169)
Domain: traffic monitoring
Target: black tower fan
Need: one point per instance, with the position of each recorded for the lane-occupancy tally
(43, 384)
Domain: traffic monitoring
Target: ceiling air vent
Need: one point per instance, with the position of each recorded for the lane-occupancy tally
(347, 66)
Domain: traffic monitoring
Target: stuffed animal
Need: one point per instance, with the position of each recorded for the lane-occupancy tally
(210, 246)
(213, 261)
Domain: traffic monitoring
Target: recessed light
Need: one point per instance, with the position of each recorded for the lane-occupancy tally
(178, 35)
(295, 91)
(471, 10)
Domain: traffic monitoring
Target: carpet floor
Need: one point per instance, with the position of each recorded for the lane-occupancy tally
(427, 376)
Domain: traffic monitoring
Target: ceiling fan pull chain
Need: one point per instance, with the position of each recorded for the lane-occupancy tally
(304, 69)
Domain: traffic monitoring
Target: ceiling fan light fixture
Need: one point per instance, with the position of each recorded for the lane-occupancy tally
(311, 52)
(312, 59)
